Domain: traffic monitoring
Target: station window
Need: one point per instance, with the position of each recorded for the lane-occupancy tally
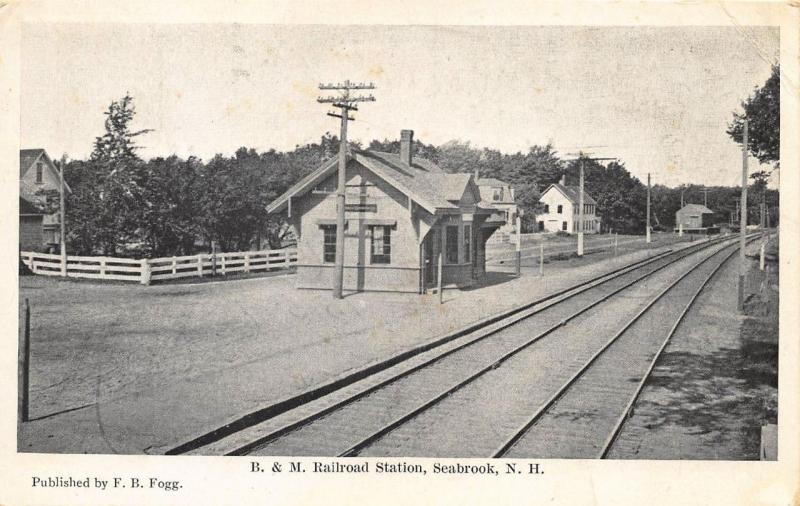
(451, 244)
(381, 245)
(563, 225)
(546, 208)
(329, 244)
(39, 172)
(497, 193)
(467, 242)
(559, 210)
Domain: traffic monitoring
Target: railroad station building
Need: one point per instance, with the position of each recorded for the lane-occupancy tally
(560, 212)
(401, 213)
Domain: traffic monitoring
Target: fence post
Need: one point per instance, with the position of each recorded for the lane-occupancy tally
(174, 266)
(63, 262)
(33, 265)
(247, 261)
(761, 256)
(213, 258)
(616, 243)
(439, 278)
(146, 273)
(541, 258)
(103, 266)
(223, 264)
(23, 370)
(200, 265)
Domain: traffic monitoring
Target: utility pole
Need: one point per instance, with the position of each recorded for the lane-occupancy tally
(743, 219)
(682, 190)
(648, 208)
(345, 102)
(580, 214)
(62, 216)
(519, 246)
(581, 158)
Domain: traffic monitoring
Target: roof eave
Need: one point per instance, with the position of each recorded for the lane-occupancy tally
(279, 203)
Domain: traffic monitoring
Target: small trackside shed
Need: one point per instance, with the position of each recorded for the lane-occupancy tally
(695, 218)
(401, 212)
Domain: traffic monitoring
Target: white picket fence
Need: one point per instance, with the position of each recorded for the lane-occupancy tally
(147, 270)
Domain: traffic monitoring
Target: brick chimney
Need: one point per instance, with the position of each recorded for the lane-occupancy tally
(406, 141)
(563, 181)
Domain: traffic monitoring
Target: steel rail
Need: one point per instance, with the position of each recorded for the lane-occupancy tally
(640, 386)
(545, 407)
(355, 449)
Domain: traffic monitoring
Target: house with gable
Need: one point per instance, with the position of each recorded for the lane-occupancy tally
(38, 174)
(500, 195)
(401, 213)
(560, 212)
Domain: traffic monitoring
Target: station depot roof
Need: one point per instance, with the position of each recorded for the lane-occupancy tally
(422, 181)
(695, 209)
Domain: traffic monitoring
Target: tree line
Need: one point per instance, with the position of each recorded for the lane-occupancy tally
(125, 206)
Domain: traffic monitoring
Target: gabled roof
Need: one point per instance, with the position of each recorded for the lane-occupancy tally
(486, 187)
(695, 208)
(27, 157)
(490, 181)
(450, 186)
(423, 181)
(572, 193)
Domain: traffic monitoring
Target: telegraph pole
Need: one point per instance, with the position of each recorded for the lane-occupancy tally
(580, 214)
(63, 216)
(743, 219)
(345, 102)
(581, 158)
(648, 208)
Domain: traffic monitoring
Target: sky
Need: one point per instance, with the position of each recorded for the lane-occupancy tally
(658, 98)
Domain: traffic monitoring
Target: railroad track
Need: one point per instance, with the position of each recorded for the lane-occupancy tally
(364, 416)
(583, 417)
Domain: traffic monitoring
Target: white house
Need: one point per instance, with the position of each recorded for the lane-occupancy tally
(561, 210)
